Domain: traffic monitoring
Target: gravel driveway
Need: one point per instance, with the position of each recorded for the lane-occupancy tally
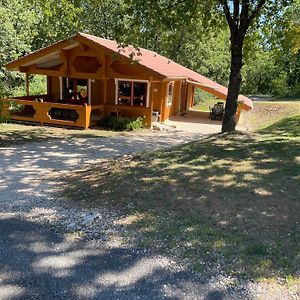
(39, 263)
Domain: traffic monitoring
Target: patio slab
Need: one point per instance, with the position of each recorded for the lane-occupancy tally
(195, 122)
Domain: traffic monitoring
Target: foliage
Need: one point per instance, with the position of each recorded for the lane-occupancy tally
(37, 86)
(203, 100)
(107, 19)
(17, 30)
(122, 123)
(135, 124)
(55, 20)
(3, 115)
(192, 33)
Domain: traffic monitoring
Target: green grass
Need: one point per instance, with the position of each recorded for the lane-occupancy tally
(203, 100)
(265, 114)
(205, 104)
(15, 134)
(228, 202)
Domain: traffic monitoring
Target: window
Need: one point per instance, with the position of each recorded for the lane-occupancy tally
(133, 93)
(170, 92)
(75, 90)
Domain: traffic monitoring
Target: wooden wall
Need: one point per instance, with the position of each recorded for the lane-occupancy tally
(98, 92)
(190, 95)
(174, 109)
(156, 89)
(53, 86)
(110, 94)
(102, 66)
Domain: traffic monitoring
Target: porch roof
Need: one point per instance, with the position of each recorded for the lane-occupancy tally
(161, 65)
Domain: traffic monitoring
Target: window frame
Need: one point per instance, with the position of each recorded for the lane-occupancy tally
(132, 81)
(64, 83)
(170, 96)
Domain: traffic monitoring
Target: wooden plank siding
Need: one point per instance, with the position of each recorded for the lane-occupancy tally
(178, 101)
(54, 90)
(87, 59)
(103, 88)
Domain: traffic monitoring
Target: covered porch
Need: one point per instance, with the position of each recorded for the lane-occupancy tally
(195, 121)
(85, 82)
(40, 109)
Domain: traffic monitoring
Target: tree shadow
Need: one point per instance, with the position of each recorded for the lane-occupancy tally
(226, 203)
(36, 263)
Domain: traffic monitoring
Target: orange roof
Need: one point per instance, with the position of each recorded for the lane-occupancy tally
(168, 68)
(151, 60)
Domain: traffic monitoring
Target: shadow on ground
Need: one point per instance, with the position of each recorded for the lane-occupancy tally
(226, 203)
(38, 264)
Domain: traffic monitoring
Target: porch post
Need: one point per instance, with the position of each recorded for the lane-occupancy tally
(60, 88)
(148, 93)
(89, 92)
(116, 92)
(105, 90)
(27, 84)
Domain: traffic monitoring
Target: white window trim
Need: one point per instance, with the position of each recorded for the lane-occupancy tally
(172, 83)
(132, 80)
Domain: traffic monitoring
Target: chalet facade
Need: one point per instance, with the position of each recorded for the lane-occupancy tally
(89, 78)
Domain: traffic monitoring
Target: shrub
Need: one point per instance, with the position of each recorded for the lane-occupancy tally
(3, 116)
(121, 124)
(280, 86)
(135, 124)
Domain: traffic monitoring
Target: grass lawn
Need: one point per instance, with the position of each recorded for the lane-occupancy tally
(266, 113)
(204, 100)
(12, 134)
(205, 103)
(224, 203)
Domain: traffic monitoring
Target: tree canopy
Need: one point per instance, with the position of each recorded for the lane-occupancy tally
(193, 33)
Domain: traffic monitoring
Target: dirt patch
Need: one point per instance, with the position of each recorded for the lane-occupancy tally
(264, 114)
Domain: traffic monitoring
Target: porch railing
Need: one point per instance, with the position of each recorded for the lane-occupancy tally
(51, 113)
(37, 109)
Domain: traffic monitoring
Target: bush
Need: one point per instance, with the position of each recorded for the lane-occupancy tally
(280, 86)
(135, 124)
(3, 117)
(295, 92)
(121, 124)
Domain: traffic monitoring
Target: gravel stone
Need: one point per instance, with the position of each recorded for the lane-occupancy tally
(109, 267)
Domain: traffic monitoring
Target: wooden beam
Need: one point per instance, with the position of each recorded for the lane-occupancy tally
(65, 56)
(89, 92)
(105, 90)
(27, 84)
(23, 69)
(60, 88)
(40, 53)
(45, 72)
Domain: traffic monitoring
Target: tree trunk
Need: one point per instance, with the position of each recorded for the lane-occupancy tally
(235, 79)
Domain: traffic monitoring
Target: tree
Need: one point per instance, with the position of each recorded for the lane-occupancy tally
(106, 18)
(239, 18)
(55, 20)
(17, 30)
(175, 23)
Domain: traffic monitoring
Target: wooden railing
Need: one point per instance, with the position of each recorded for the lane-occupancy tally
(51, 113)
(82, 116)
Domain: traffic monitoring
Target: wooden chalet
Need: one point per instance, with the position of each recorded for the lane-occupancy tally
(89, 78)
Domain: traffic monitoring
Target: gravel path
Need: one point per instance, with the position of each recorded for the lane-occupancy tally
(38, 263)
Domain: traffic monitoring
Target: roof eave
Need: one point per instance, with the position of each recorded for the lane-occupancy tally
(15, 64)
